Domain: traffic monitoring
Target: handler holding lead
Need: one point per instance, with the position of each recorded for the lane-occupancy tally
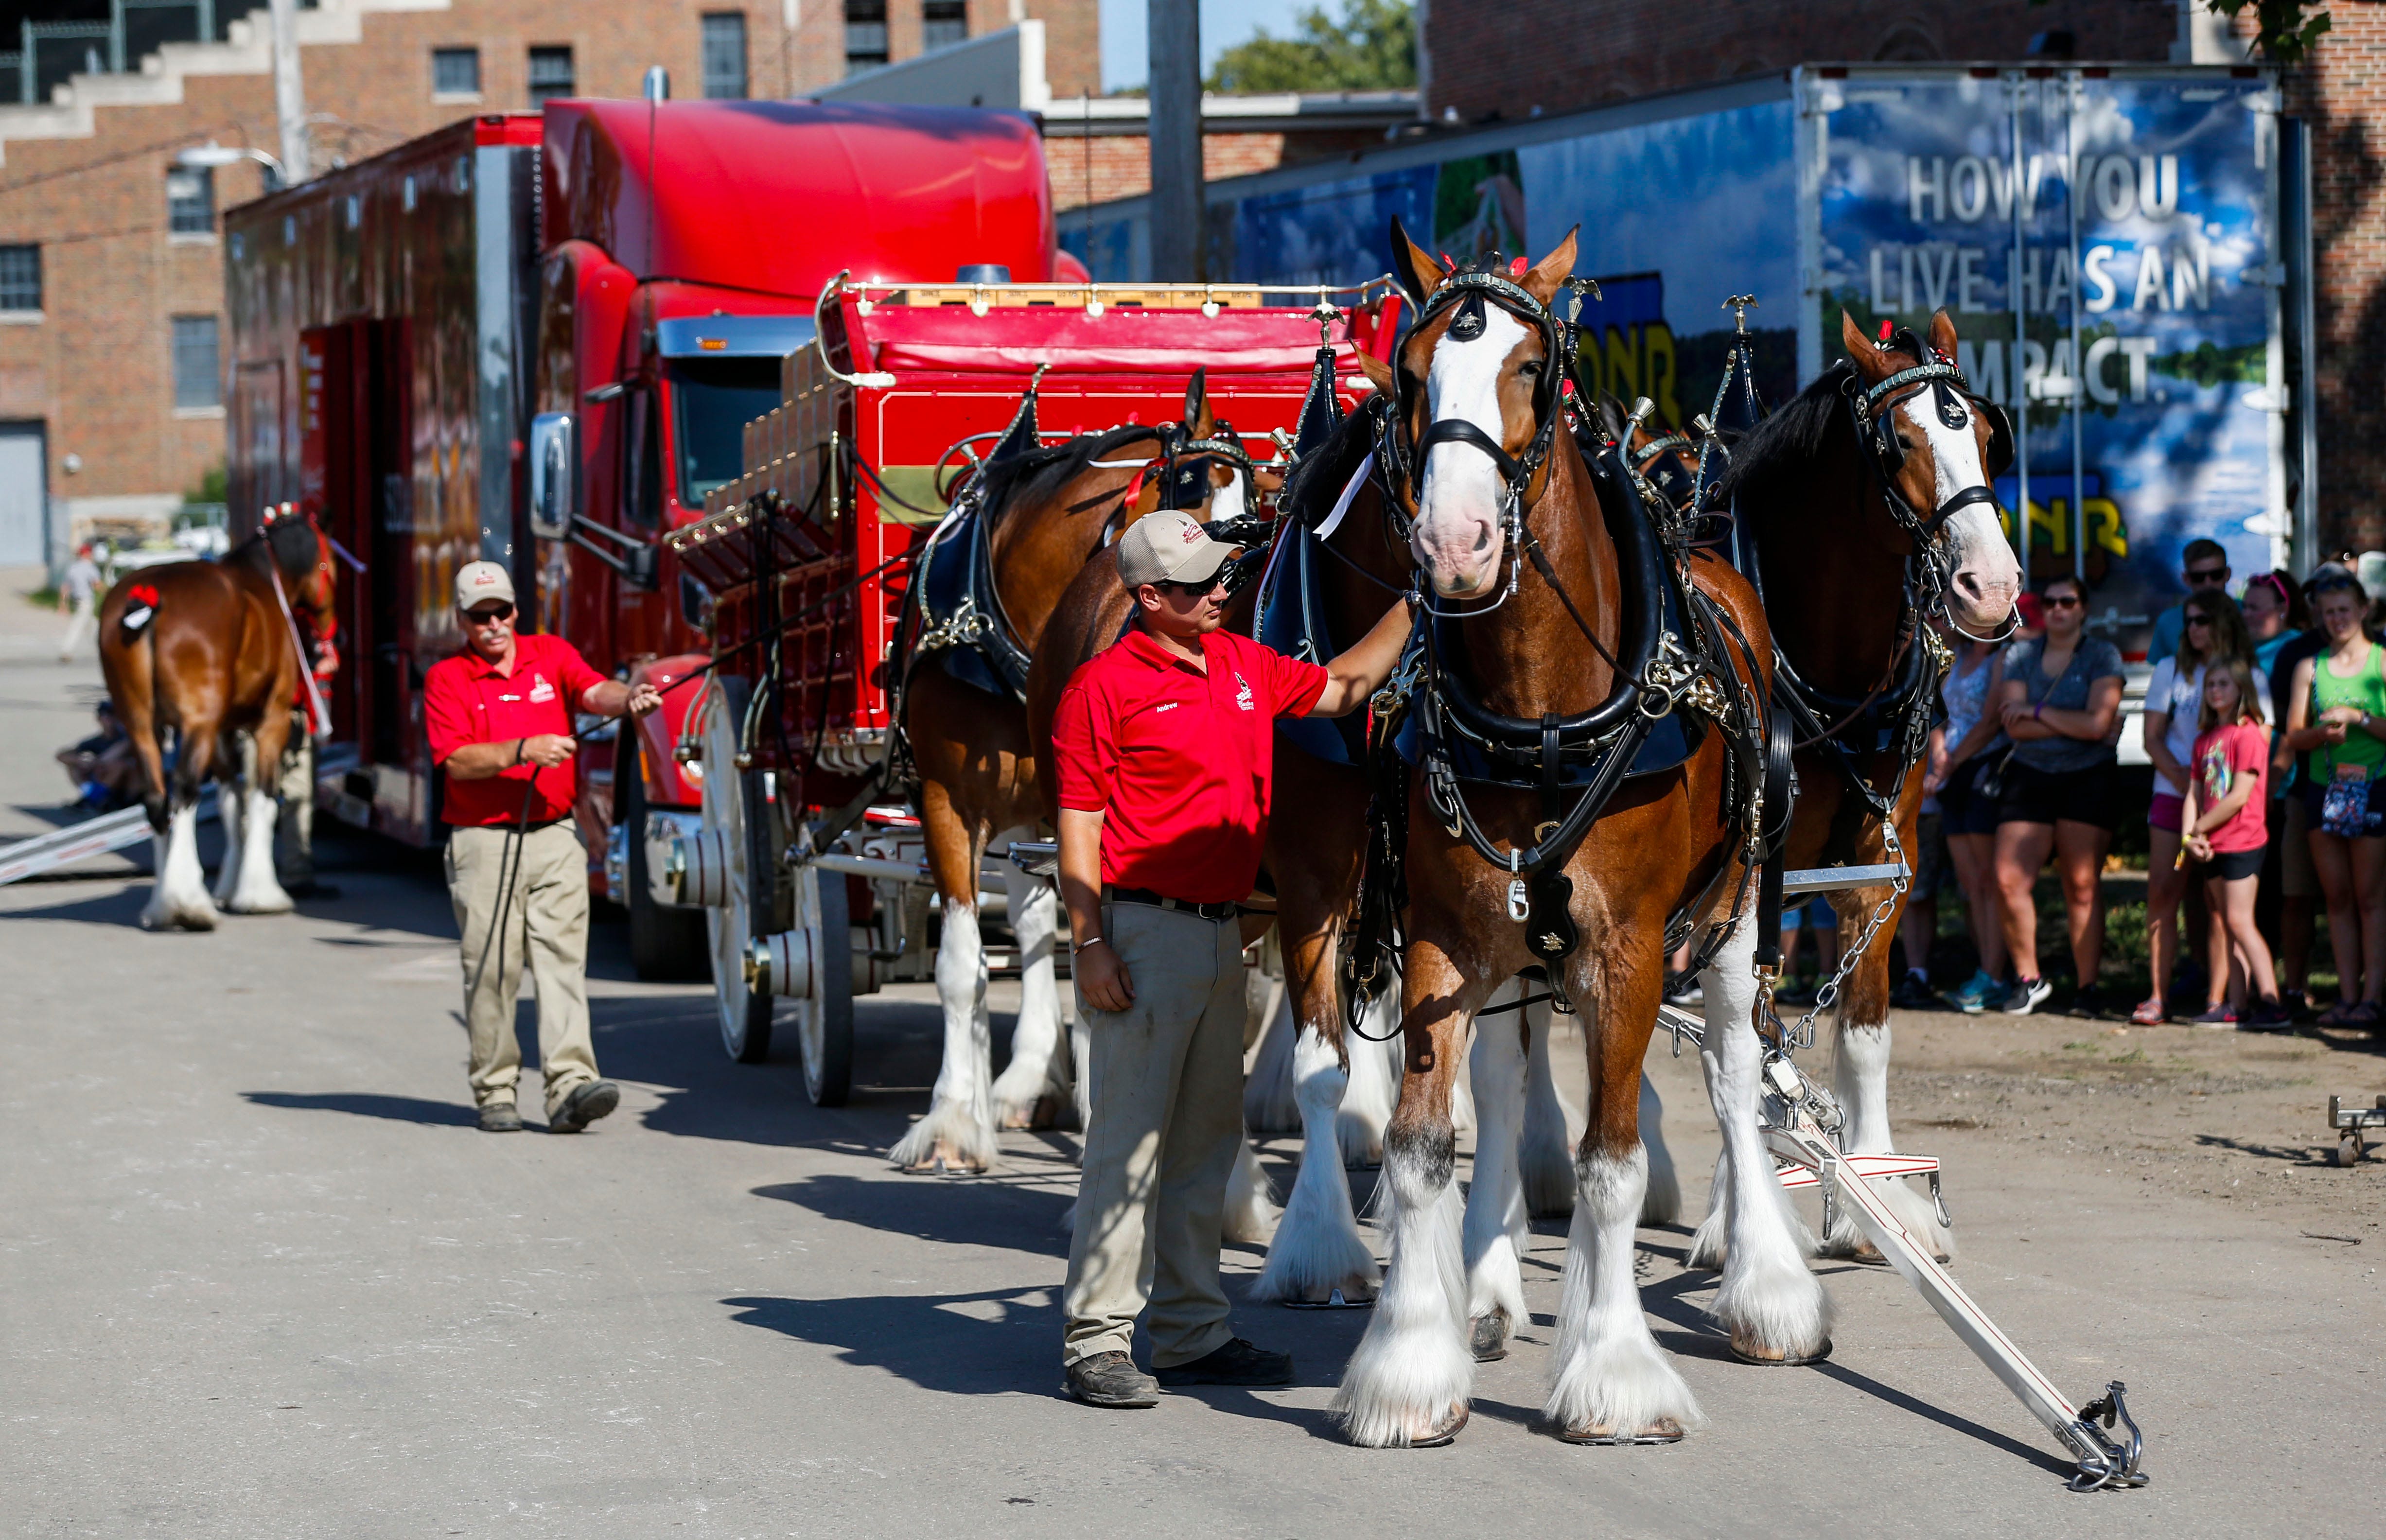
(1165, 748)
(499, 714)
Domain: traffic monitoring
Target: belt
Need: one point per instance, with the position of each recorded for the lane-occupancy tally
(1213, 912)
(511, 827)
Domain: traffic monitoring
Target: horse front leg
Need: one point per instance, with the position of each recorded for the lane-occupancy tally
(1612, 1384)
(1409, 1382)
(1774, 1308)
(1497, 1233)
(1860, 1049)
(1034, 1084)
(957, 1135)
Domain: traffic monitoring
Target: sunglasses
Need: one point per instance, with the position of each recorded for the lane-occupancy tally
(2068, 601)
(2207, 574)
(489, 616)
(1191, 590)
(2199, 620)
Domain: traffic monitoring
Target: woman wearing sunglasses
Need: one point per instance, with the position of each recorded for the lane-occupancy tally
(2212, 634)
(2061, 703)
(2336, 719)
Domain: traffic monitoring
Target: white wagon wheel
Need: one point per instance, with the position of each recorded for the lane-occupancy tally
(731, 797)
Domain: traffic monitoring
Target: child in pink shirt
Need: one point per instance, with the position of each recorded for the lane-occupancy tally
(2225, 821)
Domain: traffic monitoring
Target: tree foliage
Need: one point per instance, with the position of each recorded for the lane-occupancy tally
(1371, 46)
(2283, 29)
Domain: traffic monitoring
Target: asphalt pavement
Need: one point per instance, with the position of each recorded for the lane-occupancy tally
(260, 1276)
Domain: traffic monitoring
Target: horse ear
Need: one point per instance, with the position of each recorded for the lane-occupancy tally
(1610, 415)
(1416, 270)
(1379, 372)
(1942, 335)
(1197, 421)
(1547, 276)
(1866, 358)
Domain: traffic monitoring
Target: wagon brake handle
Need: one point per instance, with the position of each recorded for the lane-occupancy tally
(874, 381)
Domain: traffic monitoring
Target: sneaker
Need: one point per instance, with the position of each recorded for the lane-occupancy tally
(2088, 1003)
(1686, 991)
(2269, 1016)
(2218, 1016)
(586, 1102)
(1799, 993)
(2295, 1004)
(1914, 993)
(1111, 1380)
(1974, 993)
(1237, 1363)
(501, 1117)
(2026, 995)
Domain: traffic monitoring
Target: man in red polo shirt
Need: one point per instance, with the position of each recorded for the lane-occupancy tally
(499, 714)
(1165, 748)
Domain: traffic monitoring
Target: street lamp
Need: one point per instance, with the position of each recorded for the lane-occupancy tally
(208, 156)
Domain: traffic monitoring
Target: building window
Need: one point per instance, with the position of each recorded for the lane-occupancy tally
(20, 277)
(191, 201)
(550, 74)
(197, 380)
(724, 57)
(943, 23)
(865, 35)
(457, 71)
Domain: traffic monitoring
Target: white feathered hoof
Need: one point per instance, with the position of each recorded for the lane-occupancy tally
(1488, 1336)
(949, 1141)
(162, 913)
(1250, 1214)
(1913, 1210)
(1621, 1390)
(1775, 1313)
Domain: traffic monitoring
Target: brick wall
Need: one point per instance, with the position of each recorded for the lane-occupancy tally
(2340, 92)
(1104, 167)
(1506, 57)
(97, 367)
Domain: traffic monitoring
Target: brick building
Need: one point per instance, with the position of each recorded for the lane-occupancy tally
(1488, 59)
(111, 281)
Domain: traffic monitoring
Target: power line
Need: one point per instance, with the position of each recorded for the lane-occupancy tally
(179, 141)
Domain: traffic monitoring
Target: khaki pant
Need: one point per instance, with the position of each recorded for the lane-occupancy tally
(1165, 1086)
(547, 922)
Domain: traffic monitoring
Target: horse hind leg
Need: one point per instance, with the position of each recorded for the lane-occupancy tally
(1033, 1086)
(1367, 1099)
(1545, 1158)
(1860, 1077)
(1269, 1103)
(1664, 1203)
(1317, 1251)
(179, 898)
(249, 883)
(232, 810)
(1250, 1214)
(1496, 1232)
(1774, 1308)
(958, 1135)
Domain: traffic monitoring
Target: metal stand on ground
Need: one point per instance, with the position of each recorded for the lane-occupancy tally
(2345, 1122)
(1801, 1124)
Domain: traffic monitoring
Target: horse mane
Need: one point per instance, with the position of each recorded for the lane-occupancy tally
(1039, 474)
(1784, 446)
(1318, 477)
(288, 543)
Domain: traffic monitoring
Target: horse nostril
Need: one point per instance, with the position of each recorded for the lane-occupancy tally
(1482, 538)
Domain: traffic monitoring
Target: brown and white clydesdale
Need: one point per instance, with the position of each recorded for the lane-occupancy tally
(1044, 511)
(202, 651)
(1867, 502)
(1488, 476)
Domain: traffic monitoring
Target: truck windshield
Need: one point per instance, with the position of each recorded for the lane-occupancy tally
(713, 399)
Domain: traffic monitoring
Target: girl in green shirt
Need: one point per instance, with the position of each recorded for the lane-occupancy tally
(2337, 720)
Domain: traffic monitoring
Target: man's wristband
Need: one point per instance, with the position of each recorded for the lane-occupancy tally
(521, 747)
(1089, 941)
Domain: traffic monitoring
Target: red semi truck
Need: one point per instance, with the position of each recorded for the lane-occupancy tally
(597, 297)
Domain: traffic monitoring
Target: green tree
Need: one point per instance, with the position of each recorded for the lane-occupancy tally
(2283, 29)
(1371, 46)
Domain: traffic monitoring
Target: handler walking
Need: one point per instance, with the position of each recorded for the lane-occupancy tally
(1165, 745)
(499, 715)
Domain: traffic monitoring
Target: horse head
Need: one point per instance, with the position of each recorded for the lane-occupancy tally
(1937, 445)
(1202, 467)
(301, 553)
(1475, 391)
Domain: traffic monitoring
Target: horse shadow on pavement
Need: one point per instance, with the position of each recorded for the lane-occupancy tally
(367, 1104)
(997, 1212)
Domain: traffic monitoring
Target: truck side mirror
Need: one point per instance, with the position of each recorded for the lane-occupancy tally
(553, 475)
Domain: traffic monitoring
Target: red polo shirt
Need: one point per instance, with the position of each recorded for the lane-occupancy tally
(466, 700)
(1180, 764)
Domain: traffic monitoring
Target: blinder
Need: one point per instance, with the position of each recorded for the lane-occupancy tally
(1876, 415)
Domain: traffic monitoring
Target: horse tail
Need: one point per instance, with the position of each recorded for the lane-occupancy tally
(141, 606)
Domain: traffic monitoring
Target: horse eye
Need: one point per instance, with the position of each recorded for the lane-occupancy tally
(1531, 369)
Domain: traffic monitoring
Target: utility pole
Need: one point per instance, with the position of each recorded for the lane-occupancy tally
(1175, 84)
(290, 95)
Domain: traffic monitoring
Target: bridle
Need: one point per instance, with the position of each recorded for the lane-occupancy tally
(1470, 291)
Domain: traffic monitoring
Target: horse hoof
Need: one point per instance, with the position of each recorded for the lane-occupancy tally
(1444, 1435)
(945, 1160)
(1747, 1349)
(1663, 1431)
(1490, 1337)
(1348, 1295)
(1043, 1112)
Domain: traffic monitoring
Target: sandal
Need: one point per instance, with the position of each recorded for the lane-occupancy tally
(2364, 1013)
(2337, 1014)
(2150, 1013)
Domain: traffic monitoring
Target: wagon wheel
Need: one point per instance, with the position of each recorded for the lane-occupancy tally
(736, 807)
(825, 1021)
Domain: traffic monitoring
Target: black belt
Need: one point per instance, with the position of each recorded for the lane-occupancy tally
(1159, 901)
(511, 827)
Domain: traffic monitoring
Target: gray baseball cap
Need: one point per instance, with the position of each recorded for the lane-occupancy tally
(1168, 546)
(477, 582)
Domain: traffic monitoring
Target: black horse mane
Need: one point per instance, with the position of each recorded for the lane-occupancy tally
(290, 544)
(1786, 443)
(1319, 476)
(1040, 473)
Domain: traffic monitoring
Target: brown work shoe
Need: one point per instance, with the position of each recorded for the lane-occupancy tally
(501, 1117)
(1112, 1379)
(584, 1105)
